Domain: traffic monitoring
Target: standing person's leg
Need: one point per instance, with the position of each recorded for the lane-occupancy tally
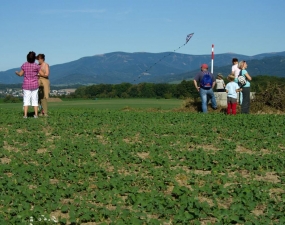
(229, 108)
(234, 106)
(233, 102)
(213, 98)
(35, 100)
(41, 94)
(203, 95)
(26, 101)
(46, 90)
(26, 111)
(41, 97)
(246, 100)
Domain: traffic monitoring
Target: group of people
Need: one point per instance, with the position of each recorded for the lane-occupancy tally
(36, 85)
(205, 82)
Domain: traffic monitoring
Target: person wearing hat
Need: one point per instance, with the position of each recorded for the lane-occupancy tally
(206, 82)
(220, 83)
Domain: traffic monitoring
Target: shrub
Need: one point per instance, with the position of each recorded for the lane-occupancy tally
(167, 95)
(11, 99)
(271, 97)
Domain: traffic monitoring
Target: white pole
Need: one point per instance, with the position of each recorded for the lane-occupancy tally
(212, 62)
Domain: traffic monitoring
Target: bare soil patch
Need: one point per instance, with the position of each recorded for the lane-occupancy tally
(5, 160)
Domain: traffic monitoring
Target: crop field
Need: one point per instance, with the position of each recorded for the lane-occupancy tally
(84, 165)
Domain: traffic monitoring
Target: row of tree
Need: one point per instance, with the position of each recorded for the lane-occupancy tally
(142, 90)
(151, 90)
(163, 90)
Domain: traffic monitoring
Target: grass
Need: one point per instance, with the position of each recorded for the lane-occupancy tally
(111, 104)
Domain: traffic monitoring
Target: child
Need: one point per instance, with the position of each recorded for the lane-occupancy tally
(232, 88)
(30, 70)
(220, 83)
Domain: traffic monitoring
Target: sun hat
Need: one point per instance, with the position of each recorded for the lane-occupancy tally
(220, 75)
(204, 66)
(231, 77)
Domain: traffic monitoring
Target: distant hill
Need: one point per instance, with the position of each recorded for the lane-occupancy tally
(118, 67)
(273, 66)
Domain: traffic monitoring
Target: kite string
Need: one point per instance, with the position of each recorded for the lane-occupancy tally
(189, 36)
(149, 68)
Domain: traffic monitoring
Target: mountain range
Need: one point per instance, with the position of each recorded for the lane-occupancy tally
(119, 67)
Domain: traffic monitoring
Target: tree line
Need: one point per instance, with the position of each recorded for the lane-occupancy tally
(142, 90)
(182, 90)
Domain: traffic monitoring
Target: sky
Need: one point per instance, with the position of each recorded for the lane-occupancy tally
(67, 30)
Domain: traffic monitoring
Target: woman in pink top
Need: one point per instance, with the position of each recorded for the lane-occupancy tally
(30, 70)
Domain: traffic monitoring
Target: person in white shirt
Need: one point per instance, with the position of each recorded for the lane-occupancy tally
(232, 88)
(235, 69)
(235, 72)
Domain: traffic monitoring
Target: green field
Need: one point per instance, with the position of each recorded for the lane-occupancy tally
(107, 104)
(92, 163)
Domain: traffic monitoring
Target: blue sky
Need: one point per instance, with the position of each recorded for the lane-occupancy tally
(66, 30)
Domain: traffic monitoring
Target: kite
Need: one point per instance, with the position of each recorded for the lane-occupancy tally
(188, 37)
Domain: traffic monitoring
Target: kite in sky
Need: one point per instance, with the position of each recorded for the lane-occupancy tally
(189, 36)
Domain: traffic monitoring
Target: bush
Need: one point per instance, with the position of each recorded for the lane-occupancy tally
(11, 99)
(192, 105)
(271, 97)
(167, 95)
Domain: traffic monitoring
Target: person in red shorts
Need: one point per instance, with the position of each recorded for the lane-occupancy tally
(232, 89)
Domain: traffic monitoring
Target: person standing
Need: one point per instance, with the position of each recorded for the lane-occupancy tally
(220, 83)
(44, 85)
(246, 88)
(206, 82)
(235, 69)
(30, 71)
(235, 72)
(232, 88)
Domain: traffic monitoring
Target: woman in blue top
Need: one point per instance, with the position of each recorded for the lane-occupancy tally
(245, 89)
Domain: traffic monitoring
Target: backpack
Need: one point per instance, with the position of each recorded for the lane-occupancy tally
(241, 79)
(206, 81)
